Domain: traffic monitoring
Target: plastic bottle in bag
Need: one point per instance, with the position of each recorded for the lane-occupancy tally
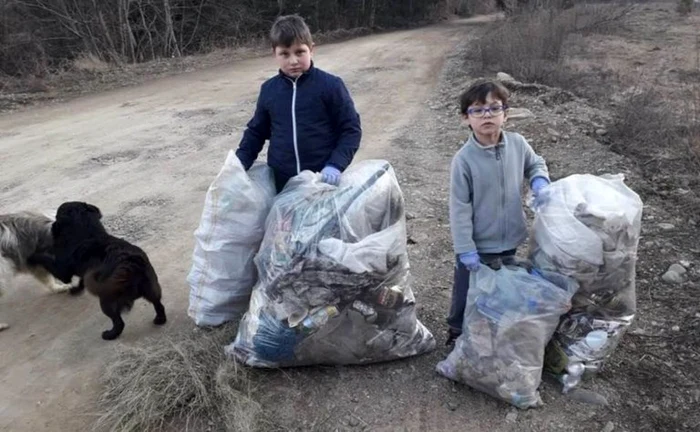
(318, 319)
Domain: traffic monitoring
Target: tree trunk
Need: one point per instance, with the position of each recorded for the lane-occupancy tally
(171, 46)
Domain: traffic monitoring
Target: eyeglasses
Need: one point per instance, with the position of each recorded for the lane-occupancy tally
(494, 110)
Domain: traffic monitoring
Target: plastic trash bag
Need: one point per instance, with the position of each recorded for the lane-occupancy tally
(334, 271)
(231, 228)
(511, 314)
(589, 229)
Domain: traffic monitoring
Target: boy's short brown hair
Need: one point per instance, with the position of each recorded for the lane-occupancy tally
(478, 92)
(288, 30)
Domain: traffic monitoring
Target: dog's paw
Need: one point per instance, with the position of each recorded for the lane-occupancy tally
(160, 320)
(110, 334)
(4, 326)
(59, 287)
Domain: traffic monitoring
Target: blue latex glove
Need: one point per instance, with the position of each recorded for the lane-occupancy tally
(330, 175)
(538, 185)
(471, 260)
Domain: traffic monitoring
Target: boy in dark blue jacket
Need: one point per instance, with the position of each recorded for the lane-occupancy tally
(307, 114)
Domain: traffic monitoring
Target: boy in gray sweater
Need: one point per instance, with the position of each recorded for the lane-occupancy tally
(486, 213)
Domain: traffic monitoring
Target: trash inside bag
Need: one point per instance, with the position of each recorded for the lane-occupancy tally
(510, 315)
(333, 269)
(230, 230)
(588, 228)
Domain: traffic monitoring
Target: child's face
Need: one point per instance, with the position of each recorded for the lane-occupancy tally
(486, 123)
(294, 60)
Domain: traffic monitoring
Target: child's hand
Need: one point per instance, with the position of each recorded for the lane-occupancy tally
(539, 192)
(538, 183)
(471, 260)
(330, 175)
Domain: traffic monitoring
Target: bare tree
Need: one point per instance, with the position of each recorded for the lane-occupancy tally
(36, 34)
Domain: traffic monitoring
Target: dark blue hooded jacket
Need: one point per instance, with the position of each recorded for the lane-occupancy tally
(310, 122)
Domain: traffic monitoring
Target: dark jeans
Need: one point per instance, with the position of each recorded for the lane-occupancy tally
(460, 288)
(280, 180)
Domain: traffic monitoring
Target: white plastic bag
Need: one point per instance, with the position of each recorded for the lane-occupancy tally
(589, 229)
(333, 269)
(509, 317)
(228, 237)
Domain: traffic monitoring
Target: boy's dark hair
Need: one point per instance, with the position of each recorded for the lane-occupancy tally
(288, 30)
(478, 92)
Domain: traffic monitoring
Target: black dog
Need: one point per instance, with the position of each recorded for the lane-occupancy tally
(111, 268)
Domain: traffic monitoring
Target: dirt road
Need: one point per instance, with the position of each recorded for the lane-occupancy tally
(145, 155)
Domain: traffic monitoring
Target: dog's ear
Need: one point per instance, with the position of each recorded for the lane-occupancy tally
(93, 209)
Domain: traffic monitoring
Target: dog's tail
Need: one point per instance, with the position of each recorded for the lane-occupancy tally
(132, 263)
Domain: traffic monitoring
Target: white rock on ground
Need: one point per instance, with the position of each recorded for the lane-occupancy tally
(675, 274)
(609, 427)
(504, 77)
(519, 113)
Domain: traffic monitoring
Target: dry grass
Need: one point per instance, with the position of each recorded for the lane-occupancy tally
(664, 138)
(90, 63)
(693, 110)
(645, 126)
(531, 45)
(474, 7)
(685, 7)
(178, 383)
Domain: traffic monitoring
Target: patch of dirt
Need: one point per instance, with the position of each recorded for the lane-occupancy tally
(52, 355)
(114, 158)
(651, 381)
(410, 117)
(187, 114)
(140, 219)
(72, 82)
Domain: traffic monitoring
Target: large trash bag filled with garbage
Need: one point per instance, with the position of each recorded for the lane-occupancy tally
(588, 227)
(333, 269)
(230, 230)
(511, 314)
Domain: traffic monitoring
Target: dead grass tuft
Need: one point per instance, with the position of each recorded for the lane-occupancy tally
(685, 7)
(177, 382)
(531, 45)
(90, 63)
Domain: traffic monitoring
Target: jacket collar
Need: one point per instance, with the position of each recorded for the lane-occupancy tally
(472, 140)
(302, 77)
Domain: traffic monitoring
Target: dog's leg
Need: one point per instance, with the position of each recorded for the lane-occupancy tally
(150, 290)
(60, 272)
(7, 272)
(160, 318)
(58, 286)
(111, 309)
(46, 278)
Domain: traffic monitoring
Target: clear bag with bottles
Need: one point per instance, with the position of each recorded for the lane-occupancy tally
(588, 227)
(334, 276)
(510, 316)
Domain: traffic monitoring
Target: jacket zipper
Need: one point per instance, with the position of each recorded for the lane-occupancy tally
(502, 182)
(294, 124)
